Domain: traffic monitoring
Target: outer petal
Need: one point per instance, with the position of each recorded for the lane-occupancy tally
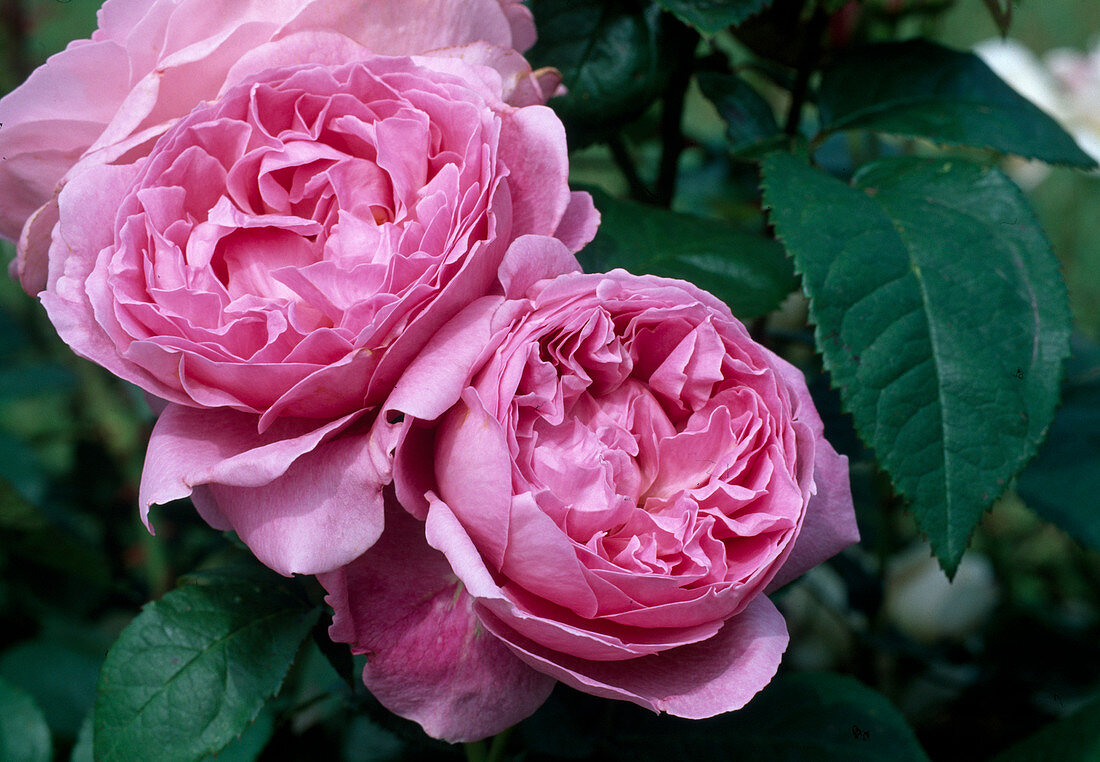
(531, 258)
(50, 120)
(400, 27)
(428, 657)
(830, 523)
(694, 681)
(302, 498)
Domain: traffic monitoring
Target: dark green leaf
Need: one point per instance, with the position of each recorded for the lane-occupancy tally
(250, 743)
(710, 16)
(750, 121)
(24, 735)
(1062, 483)
(612, 57)
(192, 671)
(748, 271)
(1073, 739)
(821, 717)
(920, 89)
(942, 317)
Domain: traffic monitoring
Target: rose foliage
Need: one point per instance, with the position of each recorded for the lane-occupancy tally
(336, 249)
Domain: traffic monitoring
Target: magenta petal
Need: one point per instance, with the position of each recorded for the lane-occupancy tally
(694, 681)
(428, 657)
(830, 523)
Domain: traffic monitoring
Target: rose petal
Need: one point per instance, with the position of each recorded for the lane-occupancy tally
(829, 525)
(429, 659)
(694, 681)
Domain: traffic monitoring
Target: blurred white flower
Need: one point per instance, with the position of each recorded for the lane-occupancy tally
(921, 603)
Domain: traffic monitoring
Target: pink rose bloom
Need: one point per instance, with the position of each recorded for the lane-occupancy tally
(607, 503)
(151, 61)
(271, 264)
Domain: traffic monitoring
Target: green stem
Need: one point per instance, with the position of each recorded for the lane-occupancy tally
(684, 39)
(808, 56)
(475, 751)
(496, 748)
(625, 162)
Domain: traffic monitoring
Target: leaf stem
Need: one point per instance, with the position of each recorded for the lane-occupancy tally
(639, 191)
(475, 751)
(15, 25)
(808, 56)
(684, 41)
(496, 748)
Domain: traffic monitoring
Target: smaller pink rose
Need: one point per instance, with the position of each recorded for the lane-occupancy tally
(621, 482)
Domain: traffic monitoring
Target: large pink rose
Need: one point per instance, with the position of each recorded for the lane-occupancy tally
(607, 504)
(151, 61)
(282, 253)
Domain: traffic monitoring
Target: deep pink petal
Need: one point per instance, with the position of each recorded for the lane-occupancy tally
(428, 658)
(695, 681)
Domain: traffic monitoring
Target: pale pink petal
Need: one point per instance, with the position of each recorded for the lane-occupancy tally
(534, 150)
(694, 681)
(428, 657)
(474, 472)
(324, 511)
(532, 258)
(579, 223)
(31, 264)
(400, 27)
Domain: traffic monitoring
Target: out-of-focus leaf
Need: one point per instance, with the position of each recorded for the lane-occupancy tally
(711, 16)
(751, 127)
(823, 717)
(942, 317)
(24, 735)
(29, 380)
(1073, 739)
(612, 57)
(920, 89)
(748, 271)
(194, 669)
(61, 680)
(82, 749)
(1063, 481)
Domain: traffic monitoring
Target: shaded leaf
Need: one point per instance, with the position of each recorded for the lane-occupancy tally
(711, 16)
(24, 735)
(821, 717)
(942, 318)
(1073, 739)
(919, 89)
(612, 57)
(190, 673)
(751, 128)
(748, 271)
(1062, 483)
